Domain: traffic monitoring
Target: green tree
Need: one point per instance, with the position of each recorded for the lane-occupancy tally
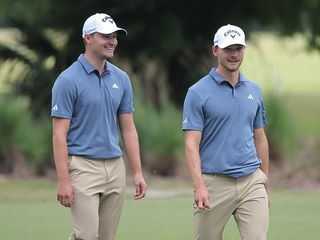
(168, 45)
(173, 35)
(24, 142)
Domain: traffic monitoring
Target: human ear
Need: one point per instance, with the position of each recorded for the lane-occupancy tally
(214, 50)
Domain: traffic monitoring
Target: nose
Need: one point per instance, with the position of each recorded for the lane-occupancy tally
(234, 52)
(114, 40)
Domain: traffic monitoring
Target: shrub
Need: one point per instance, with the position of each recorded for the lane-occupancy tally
(160, 135)
(280, 129)
(23, 140)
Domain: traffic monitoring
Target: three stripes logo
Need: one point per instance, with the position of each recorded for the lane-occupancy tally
(115, 85)
(250, 97)
(55, 108)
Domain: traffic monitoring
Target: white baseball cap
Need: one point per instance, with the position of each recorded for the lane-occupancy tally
(228, 35)
(102, 23)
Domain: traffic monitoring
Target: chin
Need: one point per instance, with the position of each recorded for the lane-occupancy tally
(109, 55)
(233, 68)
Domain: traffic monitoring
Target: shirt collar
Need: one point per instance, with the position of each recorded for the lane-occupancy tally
(88, 66)
(219, 79)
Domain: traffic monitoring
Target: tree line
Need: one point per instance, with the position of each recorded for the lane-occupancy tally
(168, 47)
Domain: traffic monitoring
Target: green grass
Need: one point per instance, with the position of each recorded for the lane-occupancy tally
(29, 211)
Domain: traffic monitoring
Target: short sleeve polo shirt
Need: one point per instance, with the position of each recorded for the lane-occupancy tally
(227, 117)
(92, 103)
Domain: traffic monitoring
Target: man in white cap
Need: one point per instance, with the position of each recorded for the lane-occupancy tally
(90, 99)
(225, 145)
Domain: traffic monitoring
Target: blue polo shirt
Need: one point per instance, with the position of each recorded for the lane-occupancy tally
(92, 103)
(227, 117)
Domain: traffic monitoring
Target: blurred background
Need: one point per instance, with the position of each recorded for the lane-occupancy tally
(168, 48)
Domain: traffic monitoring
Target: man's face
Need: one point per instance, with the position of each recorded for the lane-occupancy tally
(229, 58)
(102, 45)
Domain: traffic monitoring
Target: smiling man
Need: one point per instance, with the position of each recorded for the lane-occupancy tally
(90, 99)
(225, 145)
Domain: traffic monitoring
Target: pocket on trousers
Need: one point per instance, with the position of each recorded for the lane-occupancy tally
(71, 164)
(263, 176)
(208, 179)
(69, 161)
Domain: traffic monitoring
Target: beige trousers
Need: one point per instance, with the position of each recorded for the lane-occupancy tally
(99, 187)
(245, 198)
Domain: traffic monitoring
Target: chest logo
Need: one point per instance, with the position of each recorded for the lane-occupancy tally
(115, 85)
(250, 97)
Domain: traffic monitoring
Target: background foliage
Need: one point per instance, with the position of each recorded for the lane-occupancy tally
(166, 50)
(23, 140)
(175, 35)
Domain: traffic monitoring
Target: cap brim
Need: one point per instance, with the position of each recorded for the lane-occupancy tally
(229, 44)
(122, 31)
(118, 30)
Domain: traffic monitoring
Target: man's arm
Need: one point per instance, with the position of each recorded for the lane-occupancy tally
(192, 141)
(60, 151)
(262, 148)
(131, 146)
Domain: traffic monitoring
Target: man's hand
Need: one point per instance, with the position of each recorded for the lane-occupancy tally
(65, 194)
(141, 186)
(201, 197)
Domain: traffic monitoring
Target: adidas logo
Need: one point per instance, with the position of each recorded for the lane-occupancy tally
(55, 108)
(250, 97)
(185, 121)
(115, 85)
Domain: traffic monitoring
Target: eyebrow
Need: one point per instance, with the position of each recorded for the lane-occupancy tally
(234, 48)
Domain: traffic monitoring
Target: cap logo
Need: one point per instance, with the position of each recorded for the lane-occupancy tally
(235, 32)
(107, 18)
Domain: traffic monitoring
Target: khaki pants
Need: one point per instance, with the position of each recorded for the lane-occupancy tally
(245, 198)
(99, 187)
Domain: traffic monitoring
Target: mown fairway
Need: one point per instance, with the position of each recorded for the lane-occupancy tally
(29, 211)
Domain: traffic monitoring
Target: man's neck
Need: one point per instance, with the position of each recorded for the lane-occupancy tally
(99, 64)
(231, 76)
